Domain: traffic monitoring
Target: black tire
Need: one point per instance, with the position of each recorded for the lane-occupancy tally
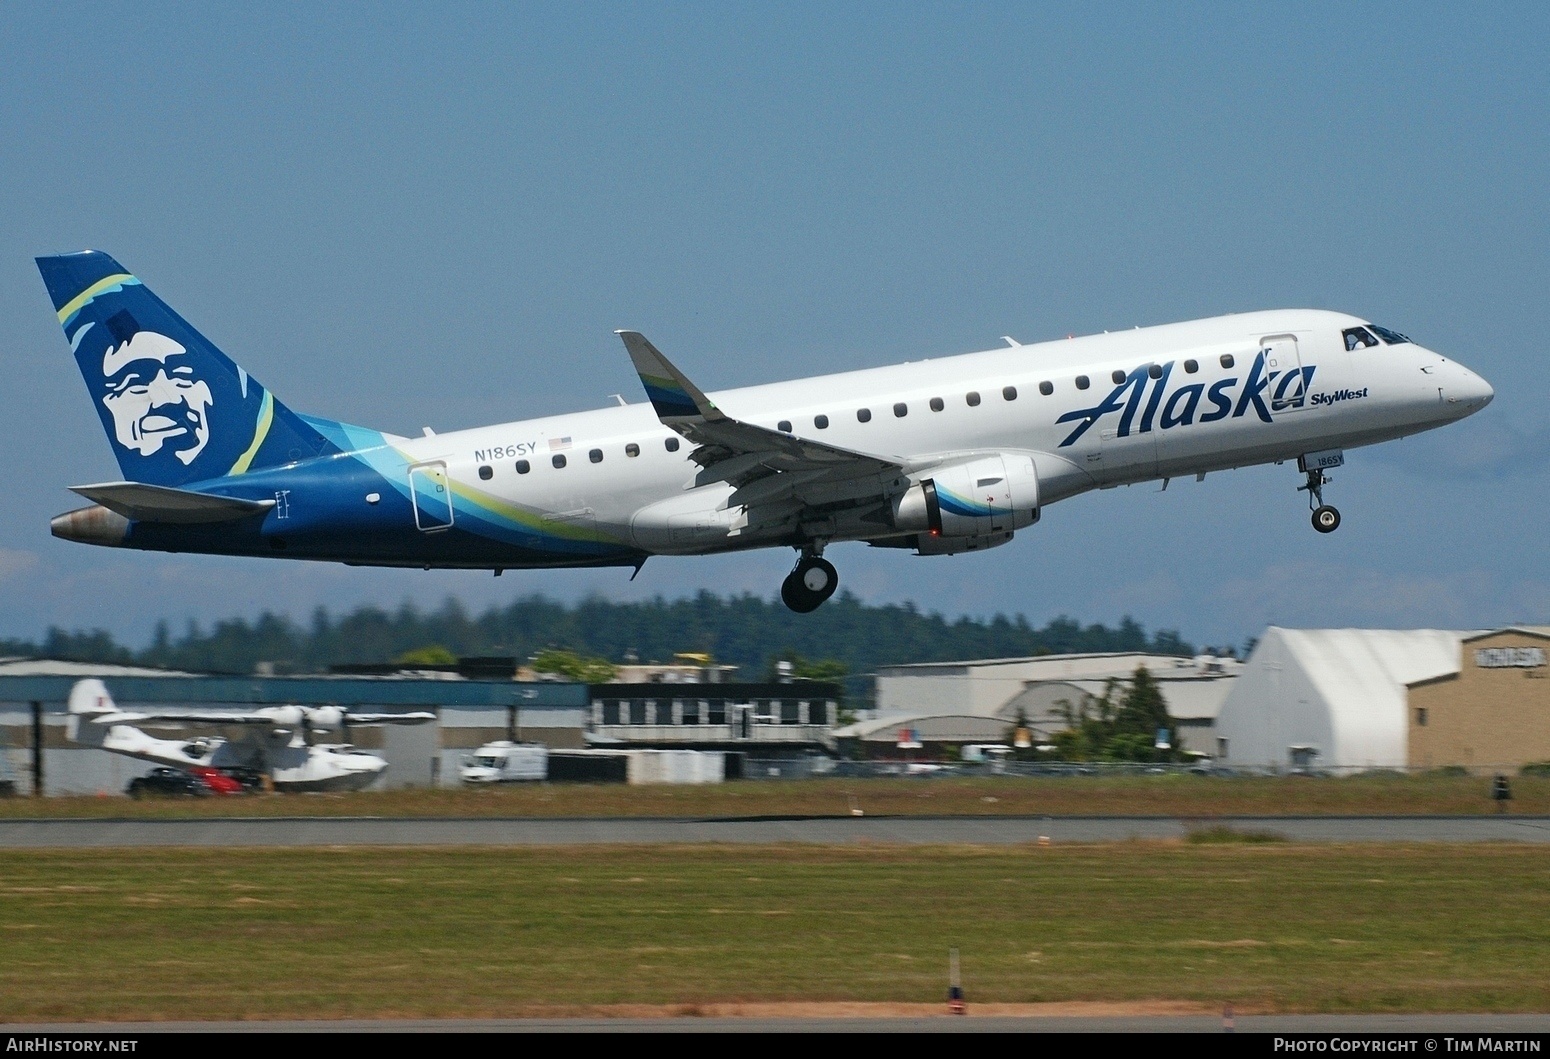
(809, 584)
(1326, 519)
(795, 595)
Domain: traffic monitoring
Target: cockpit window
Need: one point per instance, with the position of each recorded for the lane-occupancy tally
(1358, 338)
(1393, 338)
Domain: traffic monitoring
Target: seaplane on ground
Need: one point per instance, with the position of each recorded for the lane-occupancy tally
(936, 457)
(279, 743)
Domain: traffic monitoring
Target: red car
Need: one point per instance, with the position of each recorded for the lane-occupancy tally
(216, 780)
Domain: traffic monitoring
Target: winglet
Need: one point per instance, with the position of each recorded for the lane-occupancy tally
(672, 394)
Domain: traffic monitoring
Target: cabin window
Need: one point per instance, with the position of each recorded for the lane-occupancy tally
(864, 415)
(821, 422)
(1009, 393)
(716, 712)
(637, 711)
(664, 713)
(486, 471)
(1227, 360)
(1083, 382)
(790, 712)
(972, 397)
(901, 410)
(610, 711)
(1118, 376)
(523, 466)
(1192, 366)
(632, 450)
(784, 426)
(671, 444)
(691, 713)
(596, 455)
(1046, 388)
(937, 404)
(1154, 370)
(558, 460)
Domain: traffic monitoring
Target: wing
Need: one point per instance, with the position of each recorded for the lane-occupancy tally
(421, 717)
(199, 717)
(765, 467)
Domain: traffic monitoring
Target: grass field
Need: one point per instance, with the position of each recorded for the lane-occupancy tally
(1169, 795)
(207, 934)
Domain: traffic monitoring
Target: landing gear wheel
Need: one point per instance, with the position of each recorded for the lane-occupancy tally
(1326, 519)
(812, 581)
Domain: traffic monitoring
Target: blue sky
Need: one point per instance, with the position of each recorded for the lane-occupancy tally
(409, 215)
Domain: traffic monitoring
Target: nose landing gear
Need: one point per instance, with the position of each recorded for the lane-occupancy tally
(1325, 518)
(810, 582)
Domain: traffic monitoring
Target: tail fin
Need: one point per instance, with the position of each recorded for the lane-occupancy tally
(89, 699)
(175, 407)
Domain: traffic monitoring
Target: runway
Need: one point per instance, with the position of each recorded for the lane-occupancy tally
(995, 831)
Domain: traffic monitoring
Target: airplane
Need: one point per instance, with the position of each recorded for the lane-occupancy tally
(937, 457)
(281, 744)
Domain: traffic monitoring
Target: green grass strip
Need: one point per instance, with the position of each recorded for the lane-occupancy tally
(358, 933)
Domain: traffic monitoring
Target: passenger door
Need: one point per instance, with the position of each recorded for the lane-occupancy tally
(1288, 389)
(432, 496)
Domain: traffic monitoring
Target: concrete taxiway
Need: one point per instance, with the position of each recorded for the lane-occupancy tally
(379, 831)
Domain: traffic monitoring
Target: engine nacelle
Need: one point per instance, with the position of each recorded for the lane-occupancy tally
(325, 718)
(283, 717)
(930, 544)
(971, 505)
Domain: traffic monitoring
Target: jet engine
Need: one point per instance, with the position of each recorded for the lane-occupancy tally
(970, 505)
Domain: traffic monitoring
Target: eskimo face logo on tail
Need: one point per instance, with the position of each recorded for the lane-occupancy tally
(155, 398)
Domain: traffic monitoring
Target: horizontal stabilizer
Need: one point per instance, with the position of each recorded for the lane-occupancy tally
(159, 503)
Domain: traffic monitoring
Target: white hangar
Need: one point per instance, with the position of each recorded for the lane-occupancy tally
(1330, 698)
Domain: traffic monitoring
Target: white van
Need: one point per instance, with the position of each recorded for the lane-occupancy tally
(504, 762)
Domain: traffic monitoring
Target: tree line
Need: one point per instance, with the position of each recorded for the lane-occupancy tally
(745, 631)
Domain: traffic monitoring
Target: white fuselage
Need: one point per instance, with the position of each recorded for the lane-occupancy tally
(1199, 409)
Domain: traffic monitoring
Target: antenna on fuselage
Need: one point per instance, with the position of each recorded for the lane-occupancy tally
(1009, 340)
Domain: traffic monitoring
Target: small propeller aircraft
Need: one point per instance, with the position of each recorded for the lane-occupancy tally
(279, 743)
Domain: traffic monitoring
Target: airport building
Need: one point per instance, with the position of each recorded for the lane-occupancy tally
(475, 703)
(942, 704)
(1352, 699)
(1305, 699)
(35, 742)
(1492, 713)
(764, 720)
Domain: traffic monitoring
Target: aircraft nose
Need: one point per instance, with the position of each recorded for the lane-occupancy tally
(1475, 389)
(1469, 390)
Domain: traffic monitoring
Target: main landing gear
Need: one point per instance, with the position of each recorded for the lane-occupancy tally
(1325, 518)
(810, 582)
